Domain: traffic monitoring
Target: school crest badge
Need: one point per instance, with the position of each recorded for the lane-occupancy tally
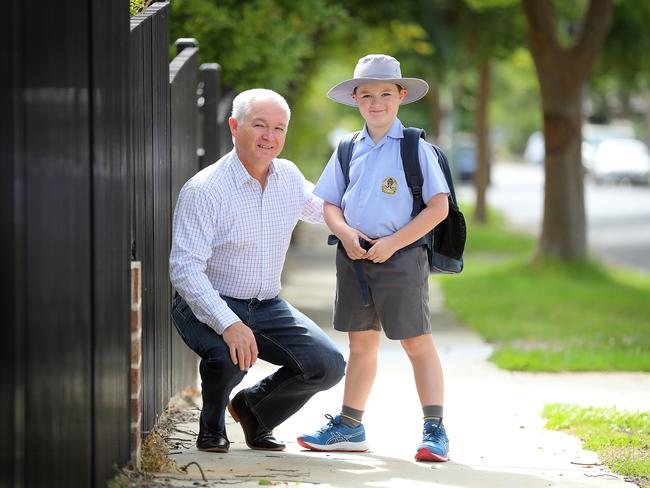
(389, 185)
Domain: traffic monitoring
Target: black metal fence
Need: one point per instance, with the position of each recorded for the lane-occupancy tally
(97, 134)
(184, 163)
(151, 208)
(65, 242)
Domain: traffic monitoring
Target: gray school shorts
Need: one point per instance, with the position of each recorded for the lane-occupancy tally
(399, 295)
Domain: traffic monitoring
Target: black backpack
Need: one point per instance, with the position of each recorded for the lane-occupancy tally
(446, 242)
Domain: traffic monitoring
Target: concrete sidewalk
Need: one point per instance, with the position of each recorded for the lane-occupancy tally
(492, 417)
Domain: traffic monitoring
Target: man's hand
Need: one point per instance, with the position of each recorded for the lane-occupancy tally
(241, 342)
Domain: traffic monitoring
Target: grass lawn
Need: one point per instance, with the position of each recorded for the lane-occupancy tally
(622, 440)
(548, 315)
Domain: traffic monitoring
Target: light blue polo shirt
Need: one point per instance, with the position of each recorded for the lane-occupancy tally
(378, 201)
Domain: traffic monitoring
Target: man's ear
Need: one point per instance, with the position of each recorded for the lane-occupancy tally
(232, 122)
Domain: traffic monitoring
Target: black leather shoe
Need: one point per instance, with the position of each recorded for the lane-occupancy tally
(211, 441)
(256, 436)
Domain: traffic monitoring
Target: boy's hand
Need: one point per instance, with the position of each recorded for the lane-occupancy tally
(350, 241)
(382, 249)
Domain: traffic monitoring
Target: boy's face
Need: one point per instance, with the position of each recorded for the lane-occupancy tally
(379, 102)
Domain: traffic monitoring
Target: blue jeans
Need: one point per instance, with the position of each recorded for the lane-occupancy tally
(309, 361)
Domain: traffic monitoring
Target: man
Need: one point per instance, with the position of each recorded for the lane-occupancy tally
(232, 227)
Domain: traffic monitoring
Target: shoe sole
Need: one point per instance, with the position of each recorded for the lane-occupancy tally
(425, 455)
(311, 447)
(212, 449)
(236, 419)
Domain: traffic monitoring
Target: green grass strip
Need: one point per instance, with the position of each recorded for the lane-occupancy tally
(549, 315)
(621, 440)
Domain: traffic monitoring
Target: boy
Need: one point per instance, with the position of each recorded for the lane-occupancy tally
(382, 274)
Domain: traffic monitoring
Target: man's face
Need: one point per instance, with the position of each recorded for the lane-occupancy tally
(260, 136)
(379, 102)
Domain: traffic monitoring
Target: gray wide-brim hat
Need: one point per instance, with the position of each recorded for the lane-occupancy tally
(378, 68)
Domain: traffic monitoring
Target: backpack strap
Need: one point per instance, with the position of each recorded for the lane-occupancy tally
(409, 150)
(344, 154)
(446, 171)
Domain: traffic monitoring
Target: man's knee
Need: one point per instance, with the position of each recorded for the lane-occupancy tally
(330, 369)
(215, 364)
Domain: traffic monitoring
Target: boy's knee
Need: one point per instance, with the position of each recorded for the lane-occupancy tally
(418, 346)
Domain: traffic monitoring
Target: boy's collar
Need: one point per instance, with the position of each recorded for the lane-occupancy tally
(396, 131)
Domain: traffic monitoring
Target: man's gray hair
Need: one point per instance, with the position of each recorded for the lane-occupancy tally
(241, 105)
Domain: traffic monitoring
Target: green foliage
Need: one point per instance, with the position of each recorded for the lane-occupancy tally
(514, 107)
(488, 4)
(627, 44)
(623, 69)
(259, 42)
(548, 315)
(137, 6)
(569, 17)
(621, 439)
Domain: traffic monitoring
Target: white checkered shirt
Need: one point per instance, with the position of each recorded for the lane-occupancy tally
(230, 238)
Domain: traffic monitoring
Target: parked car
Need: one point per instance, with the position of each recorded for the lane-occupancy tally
(594, 134)
(463, 156)
(534, 152)
(621, 160)
(466, 161)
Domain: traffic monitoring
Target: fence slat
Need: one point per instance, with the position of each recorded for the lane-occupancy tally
(184, 163)
(110, 230)
(58, 242)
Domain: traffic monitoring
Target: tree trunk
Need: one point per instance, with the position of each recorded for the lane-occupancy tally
(646, 114)
(564, 223)
(482, 173)
(561, 72)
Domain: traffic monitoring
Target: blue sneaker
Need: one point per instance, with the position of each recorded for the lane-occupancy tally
(336, 436)
(435, 444)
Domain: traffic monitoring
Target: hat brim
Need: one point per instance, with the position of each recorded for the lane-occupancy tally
(342, 92)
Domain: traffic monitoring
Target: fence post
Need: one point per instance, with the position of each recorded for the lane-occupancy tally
(225, 107)
(210, 94)
(183, 42)
(136, 362)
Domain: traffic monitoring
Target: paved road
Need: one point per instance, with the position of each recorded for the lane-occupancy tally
(497, 437)
(618, 217)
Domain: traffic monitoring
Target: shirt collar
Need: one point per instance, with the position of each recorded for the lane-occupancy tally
(396, 131)
(241, 175)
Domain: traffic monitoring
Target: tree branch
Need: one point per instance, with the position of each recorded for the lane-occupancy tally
(542, 37)
(593, 34)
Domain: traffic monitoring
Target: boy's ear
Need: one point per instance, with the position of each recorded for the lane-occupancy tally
(402, 93)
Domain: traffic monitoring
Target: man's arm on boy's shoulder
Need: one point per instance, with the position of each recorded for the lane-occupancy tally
(312, 209)
(434, 213)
